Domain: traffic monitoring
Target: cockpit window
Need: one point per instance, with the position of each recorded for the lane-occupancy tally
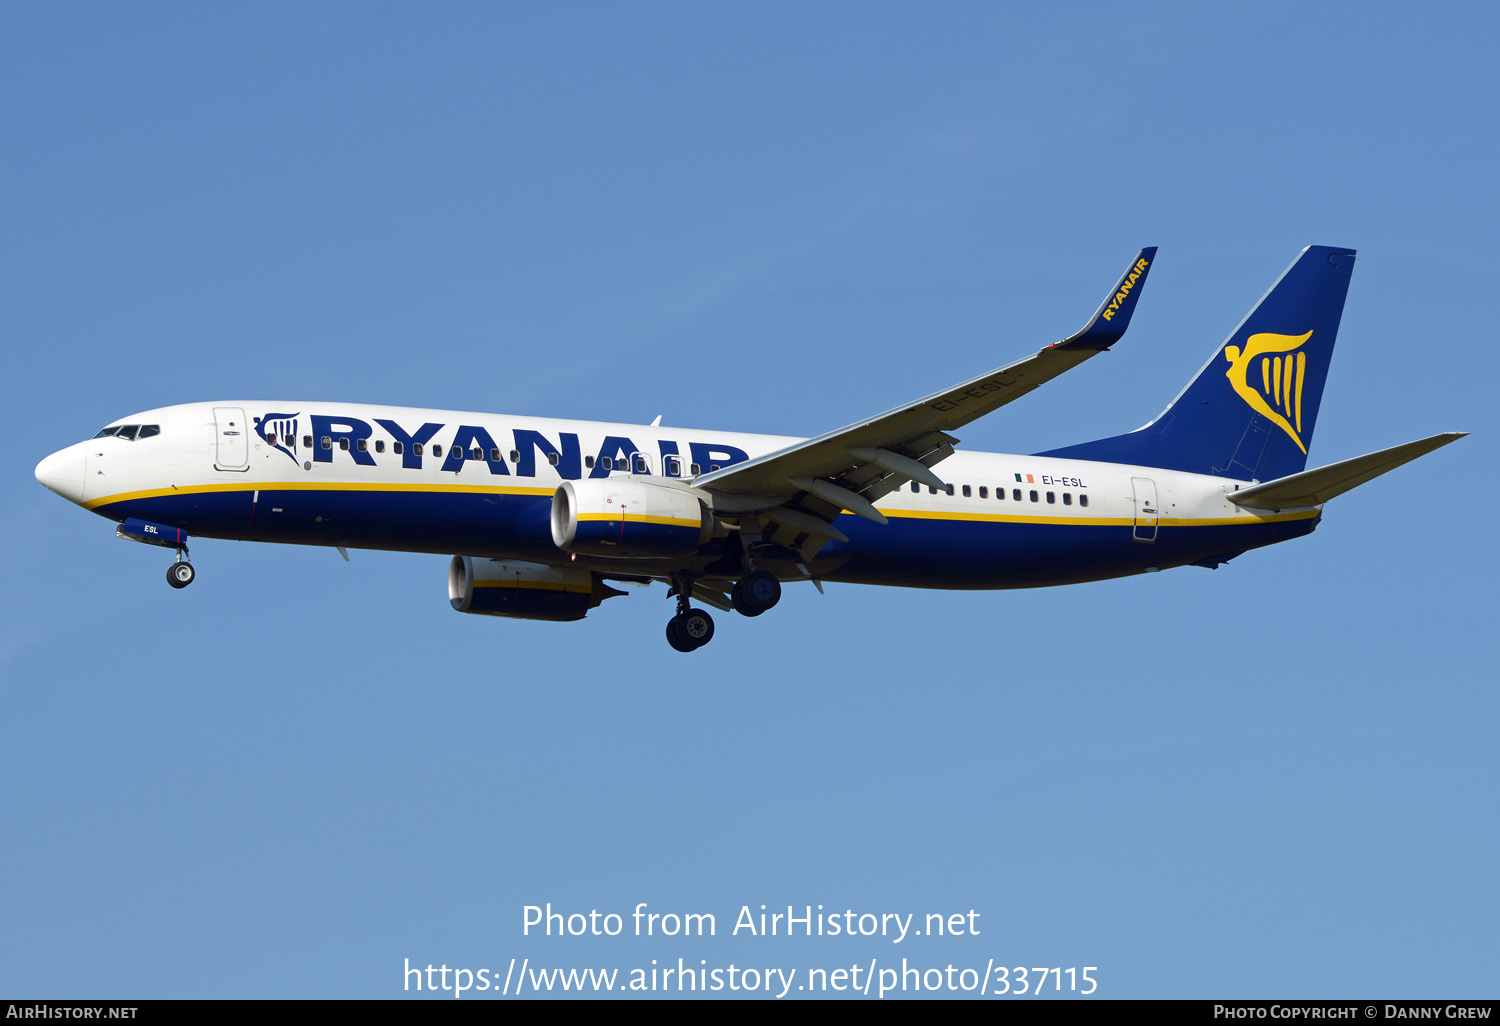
(130, 432)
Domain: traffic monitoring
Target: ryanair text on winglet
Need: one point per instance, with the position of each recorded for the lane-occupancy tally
(1129, 283)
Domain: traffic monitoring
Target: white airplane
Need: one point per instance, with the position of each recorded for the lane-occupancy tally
(550, 512)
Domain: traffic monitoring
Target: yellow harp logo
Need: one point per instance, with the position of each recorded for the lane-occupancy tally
(1279, 397)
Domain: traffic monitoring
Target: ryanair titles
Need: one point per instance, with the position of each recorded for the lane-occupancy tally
(471, 443)
(1125, 287)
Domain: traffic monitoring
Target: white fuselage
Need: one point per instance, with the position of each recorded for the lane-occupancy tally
(350, 475)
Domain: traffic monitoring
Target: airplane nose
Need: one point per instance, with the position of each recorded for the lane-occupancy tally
(62, 472)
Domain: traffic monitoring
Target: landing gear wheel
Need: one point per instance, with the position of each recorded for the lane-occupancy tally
(697, 627)
(180, 575)
(754, 593)
(690, 630)
(675, 638)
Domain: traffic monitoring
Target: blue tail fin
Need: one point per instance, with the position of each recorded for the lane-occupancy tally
(1250, 412)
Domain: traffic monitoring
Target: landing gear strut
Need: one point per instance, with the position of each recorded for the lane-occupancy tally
(691, 628)
(756, 592)
(181, 573)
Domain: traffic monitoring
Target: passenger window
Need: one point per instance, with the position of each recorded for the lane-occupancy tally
(128, 432)
(966, 491)
(1052, 497)
(149, 431)
(1067, 498)
(307, 441)
(1033, 495)
(588, 461)
(607, 462)
(932, 489)
(515, 456)
(344, 442)
(291, 441)
(363, 446)
(674, 467)
(713, 466)
(984, 492)
(476, 454)
(456, 453)
(640, 465)
(494, 455)
(694, 469)
(326, 442)
(553, 458)
(950, 489)
(397, 447)
(380, 445)
(915, 488)
(1015, 493)
(1083, 500)
(416, 447)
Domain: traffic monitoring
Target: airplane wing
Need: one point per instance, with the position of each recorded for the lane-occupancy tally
(851, 467)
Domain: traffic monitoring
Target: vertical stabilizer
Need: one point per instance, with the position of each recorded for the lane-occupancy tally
(1250, 412)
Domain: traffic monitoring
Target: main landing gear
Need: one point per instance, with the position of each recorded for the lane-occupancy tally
(754, 593)
(691, 628)
(181, 573)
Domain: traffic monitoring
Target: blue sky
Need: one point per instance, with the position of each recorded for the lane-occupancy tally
(1275, 779)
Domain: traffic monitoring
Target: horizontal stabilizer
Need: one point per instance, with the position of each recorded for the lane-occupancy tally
(1314, 487)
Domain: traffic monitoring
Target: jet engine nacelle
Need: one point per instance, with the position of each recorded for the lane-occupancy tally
(628, 517)
(525, 591)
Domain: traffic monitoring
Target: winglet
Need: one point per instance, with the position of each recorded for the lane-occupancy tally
(1113, 316)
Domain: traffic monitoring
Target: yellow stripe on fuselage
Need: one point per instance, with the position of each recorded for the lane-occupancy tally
(1008, 518)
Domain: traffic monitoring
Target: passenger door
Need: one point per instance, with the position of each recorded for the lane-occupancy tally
(232, 440)
(1146, 512)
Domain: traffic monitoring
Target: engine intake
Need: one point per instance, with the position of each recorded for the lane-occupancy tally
(524, 591)
(628, 517)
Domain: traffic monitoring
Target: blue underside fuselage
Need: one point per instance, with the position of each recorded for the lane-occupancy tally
(923, 552)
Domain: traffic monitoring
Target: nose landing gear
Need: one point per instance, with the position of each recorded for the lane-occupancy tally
(181, 573)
